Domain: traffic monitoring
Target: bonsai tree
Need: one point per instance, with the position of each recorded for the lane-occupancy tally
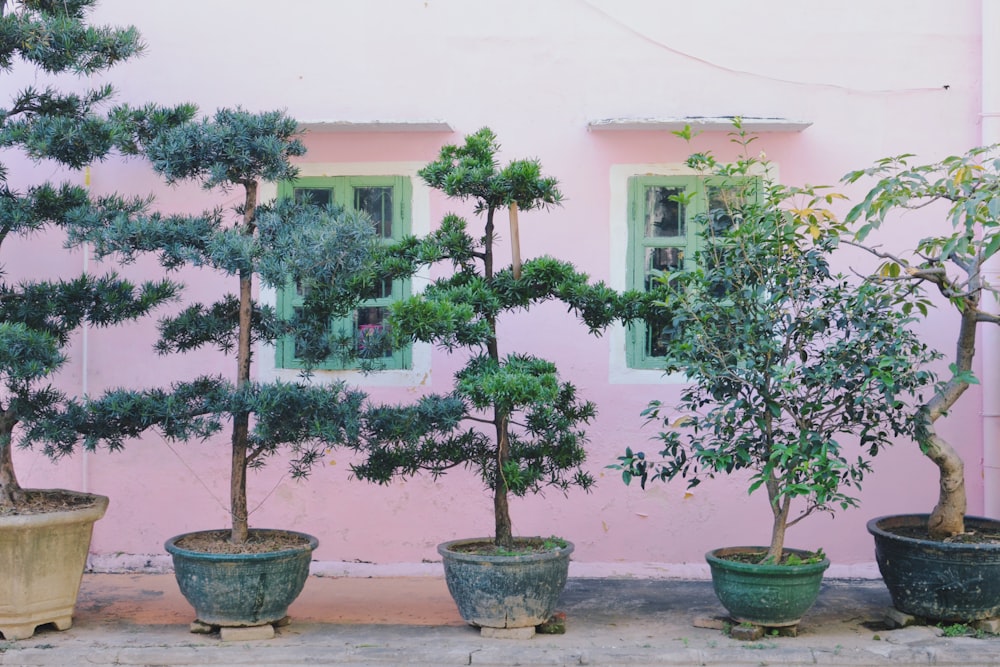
(533, 436)
(43, 124)
(791, 366)
(967, 190)
(318, 249)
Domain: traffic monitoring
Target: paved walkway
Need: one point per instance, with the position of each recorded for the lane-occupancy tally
(125, 619)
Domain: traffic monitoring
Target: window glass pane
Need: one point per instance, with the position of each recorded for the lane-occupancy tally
(380, 290)
(656, 337)
(377, 203)
(662, 259)
(663, 216)
(722, 202)
(370, 323)
(317, 196)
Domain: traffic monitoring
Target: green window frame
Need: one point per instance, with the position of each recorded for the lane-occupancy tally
(664, 234)
(387, 201)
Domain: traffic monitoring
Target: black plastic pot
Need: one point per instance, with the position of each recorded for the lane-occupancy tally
(768, 595)
(505, 591)
(238, 590)
(940, 581)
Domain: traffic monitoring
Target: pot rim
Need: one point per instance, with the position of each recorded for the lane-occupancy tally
(445, 550)
(788, 570)
(875, 530)
(174, 550)
(69, 515)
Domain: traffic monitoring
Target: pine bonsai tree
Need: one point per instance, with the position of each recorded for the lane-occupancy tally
(320, 250)
(533, 436)
(37, 318)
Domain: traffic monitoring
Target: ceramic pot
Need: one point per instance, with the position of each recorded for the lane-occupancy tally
(239, 590)
(768, 595)
(42, 557)
(940, 581)
(504, 591)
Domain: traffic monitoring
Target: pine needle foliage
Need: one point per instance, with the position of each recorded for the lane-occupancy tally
(44, 124)
(509, 417)
(321, 250)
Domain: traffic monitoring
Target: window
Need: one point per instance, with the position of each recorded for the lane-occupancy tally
(386, 201)
(664, 234)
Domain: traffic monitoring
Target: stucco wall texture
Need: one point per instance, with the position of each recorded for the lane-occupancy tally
(873, 79)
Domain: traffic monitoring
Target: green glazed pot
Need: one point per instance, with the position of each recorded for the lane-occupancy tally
(940, 581)
(504, 591)
(239, 590)
(770, 595)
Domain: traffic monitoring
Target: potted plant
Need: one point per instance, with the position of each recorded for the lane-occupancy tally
(45, 533)
(943, 565)
(509, 417)
(240, 576)
(790, 368)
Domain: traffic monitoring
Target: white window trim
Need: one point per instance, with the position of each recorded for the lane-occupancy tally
(420, 224)
(619, 371)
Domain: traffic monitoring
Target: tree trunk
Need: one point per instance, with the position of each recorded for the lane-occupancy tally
(241, 420)
(503, 535)
(10, 491)
(779, 509)
(501, 507)
(948, 517)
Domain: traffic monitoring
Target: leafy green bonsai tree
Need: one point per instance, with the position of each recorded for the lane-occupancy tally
(789, 364)
(953, 263)
(38, 317)
(317, 249)
(509, 417)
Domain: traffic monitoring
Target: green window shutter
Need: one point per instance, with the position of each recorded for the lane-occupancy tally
(664, 232)
(386, 200)
(662, 235)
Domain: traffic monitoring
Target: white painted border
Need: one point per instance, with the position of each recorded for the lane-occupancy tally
(420, 225)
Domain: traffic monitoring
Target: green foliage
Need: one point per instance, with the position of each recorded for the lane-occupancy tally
(967, 185)
(793, 559)
(790, 365)
(321, 250)
(324, 251)
(38, 319)
(965, 189)
(536, 439)
(471, 171)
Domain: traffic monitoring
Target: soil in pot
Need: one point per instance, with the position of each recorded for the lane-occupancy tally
(44, 501)
(258, 542)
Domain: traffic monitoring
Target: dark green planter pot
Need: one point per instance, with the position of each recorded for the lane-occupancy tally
(237, 590)
(505, 591)
(770, 595)
(938, 580)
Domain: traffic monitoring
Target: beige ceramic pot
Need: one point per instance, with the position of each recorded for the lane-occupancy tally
(42, 557)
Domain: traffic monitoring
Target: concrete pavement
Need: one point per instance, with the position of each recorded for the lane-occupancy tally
(141, 619)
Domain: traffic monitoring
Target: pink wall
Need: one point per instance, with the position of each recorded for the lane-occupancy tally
(873, 78)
